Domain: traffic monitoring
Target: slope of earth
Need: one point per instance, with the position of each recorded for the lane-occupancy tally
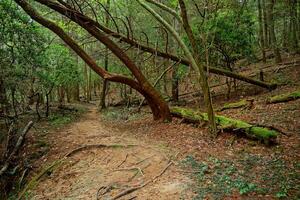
(84, 174)
(231, 166)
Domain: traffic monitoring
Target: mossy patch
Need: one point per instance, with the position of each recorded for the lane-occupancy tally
(252, 131)
(235, 105)
(284, 97)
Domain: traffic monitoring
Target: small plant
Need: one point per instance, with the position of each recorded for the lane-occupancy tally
(123, 114)
(58, 119)
(218, 179)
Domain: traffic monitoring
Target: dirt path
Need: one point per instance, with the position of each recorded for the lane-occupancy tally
(87, 171)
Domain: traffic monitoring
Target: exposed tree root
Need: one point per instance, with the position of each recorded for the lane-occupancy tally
(93, 146)
(284, 97)
(132, 189)
(123, 161)
(261, 133)
(35, 180)
(129, 169)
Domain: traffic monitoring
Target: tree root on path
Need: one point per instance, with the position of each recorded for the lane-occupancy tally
(129, 169)
(132, 189)
(123, 161)
(92, 146)
(35, 180)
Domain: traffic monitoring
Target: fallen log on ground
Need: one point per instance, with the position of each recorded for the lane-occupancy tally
(284, 97)
(261, 133)
(240, 104)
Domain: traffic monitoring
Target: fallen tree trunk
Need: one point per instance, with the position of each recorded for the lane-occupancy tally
(261, 133)
(240, 104)
(284, 97)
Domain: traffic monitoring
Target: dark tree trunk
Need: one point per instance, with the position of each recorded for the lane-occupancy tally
(272, 31)
(104, 85)
(13, 99)
(175, 84)
(265, 23)
(37, 106)
(47, 105)
(293, 26)
(3, 98)
(261, 31)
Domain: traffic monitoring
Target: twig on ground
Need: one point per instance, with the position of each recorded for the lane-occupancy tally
(132, 189)
(139, 162)
(123, 161)
(129, 169)
(105, 189)
(92, 146)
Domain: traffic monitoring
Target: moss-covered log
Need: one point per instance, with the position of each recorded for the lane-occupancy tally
(284, 97)
(240, 104)
(261, 133)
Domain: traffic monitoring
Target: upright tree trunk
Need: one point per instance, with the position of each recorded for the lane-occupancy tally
(175, 78)
(3, 98)
(85, 82)
(175, 84)
(202, 73)
(89, 84)
(104, 86)
(261, 31)
(293, 26)
(13, 100)
(272, 31)
(265, 23)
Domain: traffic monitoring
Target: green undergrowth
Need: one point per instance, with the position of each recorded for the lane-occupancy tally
(121, 113)
(64, 116)
(281, 78)
(250, 176)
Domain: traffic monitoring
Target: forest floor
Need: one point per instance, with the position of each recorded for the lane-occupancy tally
(82, 175)
(227, 167)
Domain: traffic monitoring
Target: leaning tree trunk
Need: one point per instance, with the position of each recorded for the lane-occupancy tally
(158, 105)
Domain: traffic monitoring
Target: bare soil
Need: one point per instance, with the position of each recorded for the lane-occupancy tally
(82, 175)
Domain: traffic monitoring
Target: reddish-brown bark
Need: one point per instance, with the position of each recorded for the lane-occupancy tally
(158, 106)
(69, 12)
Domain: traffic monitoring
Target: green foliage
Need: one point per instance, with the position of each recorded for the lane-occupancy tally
(232, 32)
(62, 117)
(58, 119)
(282, 79)
(21, 42)
(250, 174)
(121, 114)
(60, 67)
